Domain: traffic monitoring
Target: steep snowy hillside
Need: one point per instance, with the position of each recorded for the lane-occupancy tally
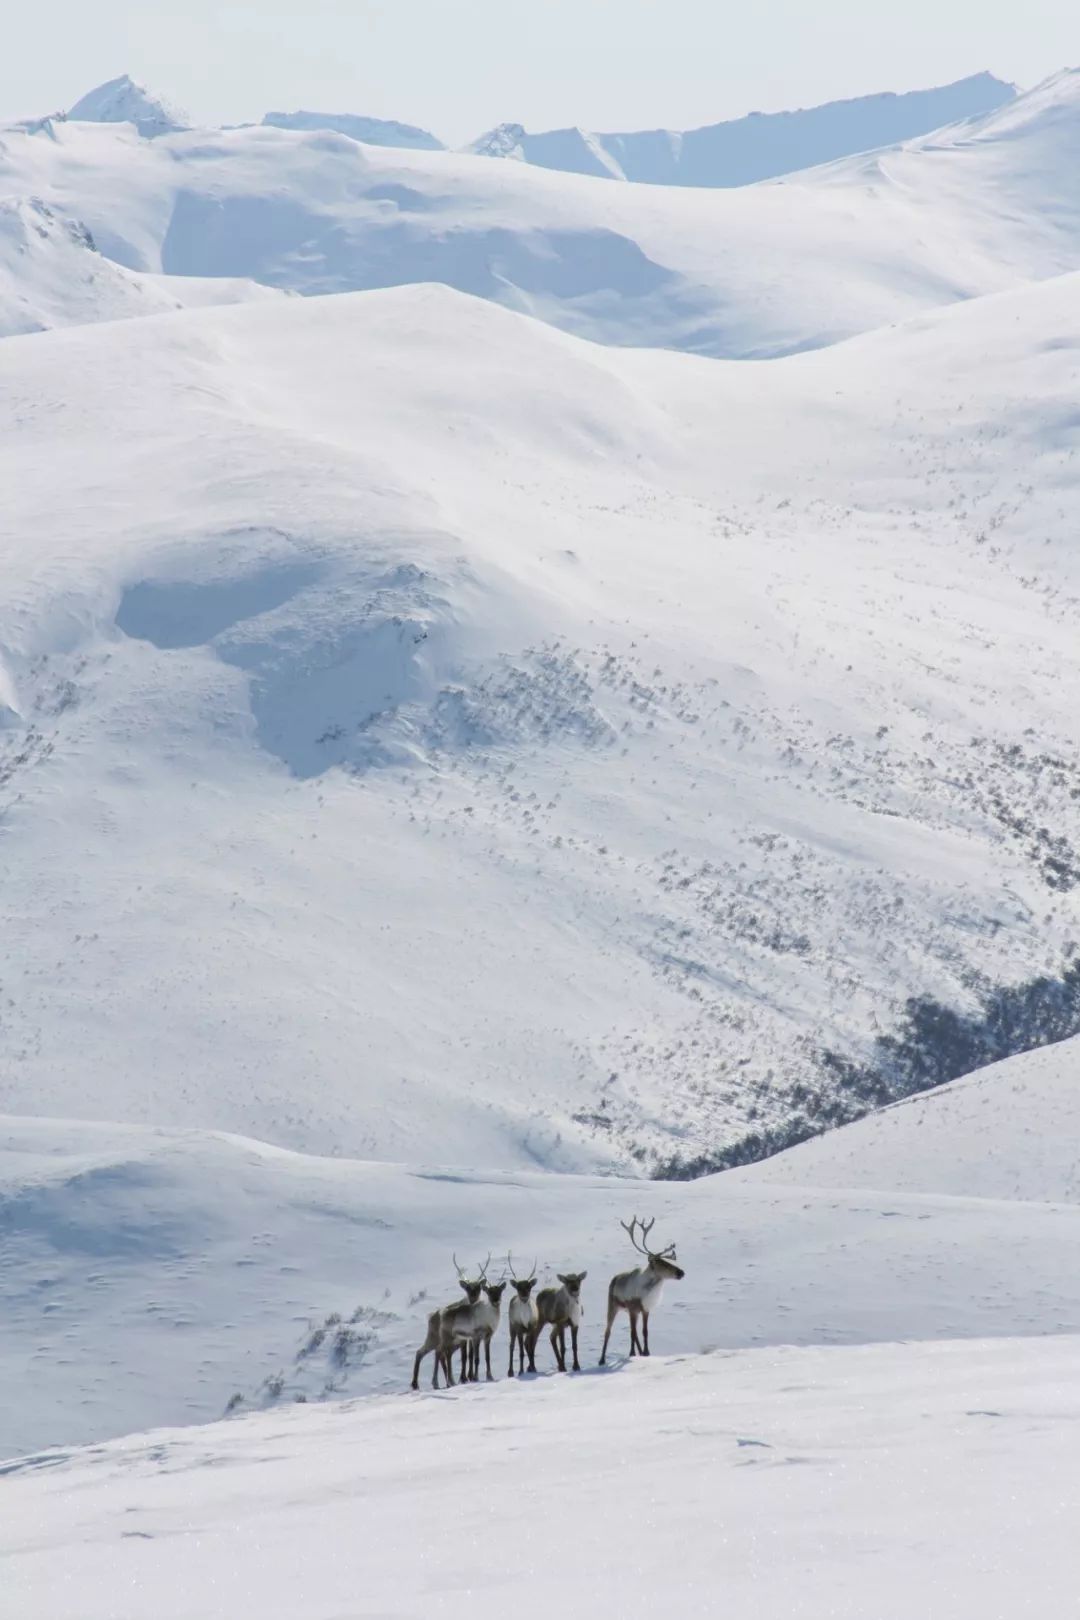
(1010, 1131)
(429, 736)
(150, 1277)
(758, 147)
(51, 274)
(758, 271)
(800, 1484)
(373, 131)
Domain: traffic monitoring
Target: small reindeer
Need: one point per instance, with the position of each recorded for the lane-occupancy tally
(638, 1291)
(523, 1318)
(559, 1309)
(433, 1339)
(486, 1321)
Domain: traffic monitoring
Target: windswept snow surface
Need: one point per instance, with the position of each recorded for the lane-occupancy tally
(764, 270)
(430, 737)
(758, 147)
(889, 1481)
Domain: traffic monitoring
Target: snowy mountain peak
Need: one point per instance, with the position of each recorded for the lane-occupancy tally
(122, 101)
(372, 131)
(504, 141)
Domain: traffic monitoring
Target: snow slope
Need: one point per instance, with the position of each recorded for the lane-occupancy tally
(795, 1484)
(955, 1140)
(760, 146)
(51, 274)
(373, 131)
(151, 1276)
(428, 736)
(757, 271)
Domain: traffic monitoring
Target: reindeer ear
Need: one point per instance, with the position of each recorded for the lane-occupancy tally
(583, 1276)
(561, 1278)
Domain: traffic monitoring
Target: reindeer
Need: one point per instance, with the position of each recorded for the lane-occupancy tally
(433, 1339)
(523, 1319)
(462, 1323)
(560, 1308)
(638, 1292)
(485, 1324)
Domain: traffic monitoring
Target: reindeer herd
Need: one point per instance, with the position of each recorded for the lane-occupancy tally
(468, 1325)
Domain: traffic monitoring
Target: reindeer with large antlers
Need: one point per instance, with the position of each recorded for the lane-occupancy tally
(473, 1287)
(523, 1318)
(638, 1292)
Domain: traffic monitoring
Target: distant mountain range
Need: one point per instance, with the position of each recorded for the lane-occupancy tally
(758, 147)
(736, 152)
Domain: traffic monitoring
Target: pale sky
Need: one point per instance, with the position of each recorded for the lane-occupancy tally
(458, 66)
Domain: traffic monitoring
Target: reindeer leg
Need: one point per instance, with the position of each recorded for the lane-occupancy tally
(555, 1346)
(532, 1349)
(487, 1356)
(573, 1342)
(635, 1348)
(416, 1369)
(513, 1336)
(645, 1330)
(612, 1313)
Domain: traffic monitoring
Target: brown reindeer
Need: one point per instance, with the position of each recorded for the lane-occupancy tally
(460, 1325)
(433, 1339)
(559, 1309)
(523, 1319)
(638, 1292)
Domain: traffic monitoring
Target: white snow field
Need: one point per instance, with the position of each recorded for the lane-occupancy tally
(818, 1484)
(762, 270)
(429, 736)
(151, 1276)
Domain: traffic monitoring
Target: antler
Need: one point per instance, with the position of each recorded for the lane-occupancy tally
(483, 1268)
(643, 1246)
(459, 1269)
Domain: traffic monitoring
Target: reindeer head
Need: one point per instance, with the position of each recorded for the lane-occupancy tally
(572, 1282)
(523, 1285)
(661, 1261)
(473, 1286)
(495, 1291)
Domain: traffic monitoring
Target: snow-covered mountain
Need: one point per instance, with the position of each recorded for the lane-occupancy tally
(757, 147)
(122, 101)
(556, 754)
(372, 131)
(51, 274)
(751, 272)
